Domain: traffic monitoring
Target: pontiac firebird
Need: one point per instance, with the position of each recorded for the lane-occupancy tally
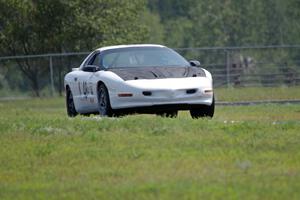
(144, 78)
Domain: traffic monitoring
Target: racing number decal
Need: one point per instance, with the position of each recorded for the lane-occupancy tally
(85, 89)
(79, 89)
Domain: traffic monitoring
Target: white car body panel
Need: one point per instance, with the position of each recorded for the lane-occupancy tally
(83, 86)
(164, 91)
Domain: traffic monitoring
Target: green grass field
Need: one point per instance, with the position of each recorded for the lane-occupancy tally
(244, 152)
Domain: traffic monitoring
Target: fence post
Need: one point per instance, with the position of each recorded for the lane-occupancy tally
(51, 75)
(227, 68)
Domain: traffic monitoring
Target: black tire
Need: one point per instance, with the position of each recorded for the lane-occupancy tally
(169, 114)
(203, 111)
(71, 110)
(104, 107)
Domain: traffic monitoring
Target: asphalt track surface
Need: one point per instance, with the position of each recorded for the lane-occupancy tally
(250, 103)
(219, 103)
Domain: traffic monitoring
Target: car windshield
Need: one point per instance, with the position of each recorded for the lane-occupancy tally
(142, 57)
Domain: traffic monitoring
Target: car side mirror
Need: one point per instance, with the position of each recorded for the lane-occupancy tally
(195, 63)
(75, 69)
(91, 68)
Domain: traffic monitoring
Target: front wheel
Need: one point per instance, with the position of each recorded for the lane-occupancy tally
(203, 111)
(71, 111)
(104, 107)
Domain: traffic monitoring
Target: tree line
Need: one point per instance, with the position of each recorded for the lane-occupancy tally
(48, 26)
(227, 22)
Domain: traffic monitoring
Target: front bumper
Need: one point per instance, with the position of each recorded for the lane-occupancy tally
(162, 97)
(188, 91)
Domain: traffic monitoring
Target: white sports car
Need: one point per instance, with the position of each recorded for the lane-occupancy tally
(124, 79)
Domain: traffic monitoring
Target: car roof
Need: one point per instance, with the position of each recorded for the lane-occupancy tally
(126, 46)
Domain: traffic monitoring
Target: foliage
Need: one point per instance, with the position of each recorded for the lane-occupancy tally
(47, 26)
(229, 22)
(156, 30)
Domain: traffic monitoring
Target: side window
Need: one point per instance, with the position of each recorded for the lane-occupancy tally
(89, 60)
(95, 60)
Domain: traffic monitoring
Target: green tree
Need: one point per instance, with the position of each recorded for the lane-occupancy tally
(293, 18)
(228, 22)
(225, 23)
(156, 30)
(171, 9)
(46, 26)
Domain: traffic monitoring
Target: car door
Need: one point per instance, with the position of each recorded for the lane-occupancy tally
(88, 96)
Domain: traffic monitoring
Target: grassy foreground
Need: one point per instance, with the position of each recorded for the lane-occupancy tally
(245, 152)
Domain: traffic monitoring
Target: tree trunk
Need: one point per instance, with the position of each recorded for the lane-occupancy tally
(32, 76)
(35, 85)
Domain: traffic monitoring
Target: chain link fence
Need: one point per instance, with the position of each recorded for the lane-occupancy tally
(257, 66)
(261, 66)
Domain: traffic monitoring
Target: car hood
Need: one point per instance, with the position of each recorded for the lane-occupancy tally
(135, 73)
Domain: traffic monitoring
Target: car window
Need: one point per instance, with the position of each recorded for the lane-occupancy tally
(142, 57)
(89, 60)
(95, 60)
